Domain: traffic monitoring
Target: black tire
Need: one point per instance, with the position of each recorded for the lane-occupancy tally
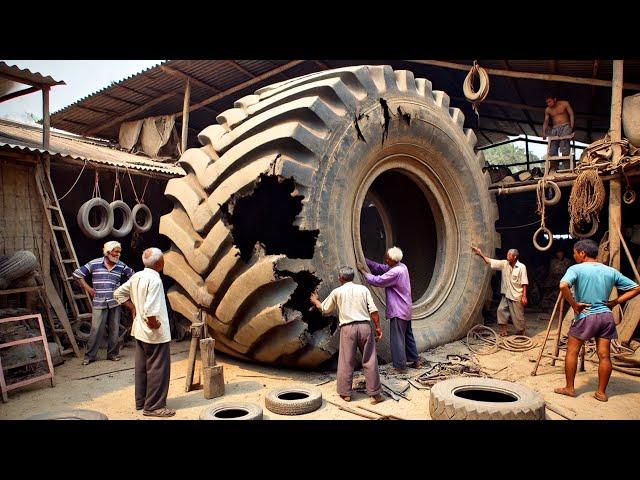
(232, 411)
(127, 219)
(329, 136)
(148, 219)
(82, 330)
(499, 400)
(594, 226)
(18, 265)
(106, 218)
(557, 194)
(296, 400)
(69, 414)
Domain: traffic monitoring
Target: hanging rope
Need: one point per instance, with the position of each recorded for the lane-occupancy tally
(74, 183)
(132, 187)
(476, 97)
(540, 192)
(587, 198)
(116, 185)
(96, 185)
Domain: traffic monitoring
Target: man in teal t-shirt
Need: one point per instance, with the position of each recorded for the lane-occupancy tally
(592, 282)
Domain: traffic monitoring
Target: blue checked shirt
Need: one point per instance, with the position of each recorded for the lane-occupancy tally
(104, 281)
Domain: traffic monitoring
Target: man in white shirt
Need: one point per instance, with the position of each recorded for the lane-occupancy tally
(513, 289)
(143, 295)
(355, 312)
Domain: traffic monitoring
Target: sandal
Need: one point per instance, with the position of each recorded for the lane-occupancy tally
(346, 398)
(86, 361)
(114, 359)
(160, 412)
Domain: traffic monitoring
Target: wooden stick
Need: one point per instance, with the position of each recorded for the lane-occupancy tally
(559, 410)
(191, 362)
(546, 336)
(381, 414)
(350, 410)
(556, 349)
(626, 250)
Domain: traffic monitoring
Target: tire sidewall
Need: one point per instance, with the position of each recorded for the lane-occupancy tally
(438, 144)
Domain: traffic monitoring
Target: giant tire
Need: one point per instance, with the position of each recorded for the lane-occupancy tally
(333, 132)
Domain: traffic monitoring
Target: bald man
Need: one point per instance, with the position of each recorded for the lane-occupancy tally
(107, 273)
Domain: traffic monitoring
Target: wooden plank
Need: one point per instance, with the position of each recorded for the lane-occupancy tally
(213, 381)
(207, 352)
(530, 75)
(19, 290)
(191, 361)
(630, 320)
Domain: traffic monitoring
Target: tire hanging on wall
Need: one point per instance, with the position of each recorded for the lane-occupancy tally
(106, 218)
(332, 132)
(145, 226)
(127, 219)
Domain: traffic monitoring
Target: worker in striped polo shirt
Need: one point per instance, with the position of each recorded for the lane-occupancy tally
(107, 273)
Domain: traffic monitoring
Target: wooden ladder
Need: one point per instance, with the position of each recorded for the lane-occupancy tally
(559, 158)
(65, 259)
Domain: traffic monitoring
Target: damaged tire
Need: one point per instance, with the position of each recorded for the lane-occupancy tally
(316, 172)
(297, 400)
(468, 398)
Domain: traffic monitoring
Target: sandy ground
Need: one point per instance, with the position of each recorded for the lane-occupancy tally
(108, 387)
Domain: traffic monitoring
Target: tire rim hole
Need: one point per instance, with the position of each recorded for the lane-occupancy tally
(293, 396)
(482, 395)
(231, 413)
(396, 211)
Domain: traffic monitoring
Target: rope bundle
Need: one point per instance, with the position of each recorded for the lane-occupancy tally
(586, 200)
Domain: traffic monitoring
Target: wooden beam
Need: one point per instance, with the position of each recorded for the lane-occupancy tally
(46, 121)
(128, 102)
(132, 90)
(103, 111)
(615, 185)
(19, 93)
(529, 75)
(553, 64)
(523, 106)
(592, 105)
(242, 85)
(241, 68)
(485, 136)
(129, 114)
(185, 115)
(180, 74)
(321, 64)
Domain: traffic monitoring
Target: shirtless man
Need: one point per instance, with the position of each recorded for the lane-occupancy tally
(563, 122)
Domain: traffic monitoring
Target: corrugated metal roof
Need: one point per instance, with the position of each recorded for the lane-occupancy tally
(505, 117)
(29, 138)
(27, 75)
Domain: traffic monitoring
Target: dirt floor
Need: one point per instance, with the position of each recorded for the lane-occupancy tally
(108, 387)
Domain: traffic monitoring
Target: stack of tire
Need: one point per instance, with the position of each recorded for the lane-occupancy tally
(18, 270)
(106, 212)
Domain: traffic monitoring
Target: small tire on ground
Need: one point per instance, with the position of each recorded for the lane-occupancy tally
(70, 414)
(146, 225)
(232, 411)
(82, 330)
(445, 404)
(127, 219)
(276, 400)
(106, 218)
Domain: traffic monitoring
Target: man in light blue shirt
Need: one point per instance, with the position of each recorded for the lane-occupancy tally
(592, 282)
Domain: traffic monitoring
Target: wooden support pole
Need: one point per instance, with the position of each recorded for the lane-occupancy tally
(193, 348)
(46, 122)
(213, 381)
(185, 115)
(615, 185)
(546, 336)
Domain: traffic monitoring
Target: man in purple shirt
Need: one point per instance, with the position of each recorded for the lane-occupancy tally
(394, 277)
